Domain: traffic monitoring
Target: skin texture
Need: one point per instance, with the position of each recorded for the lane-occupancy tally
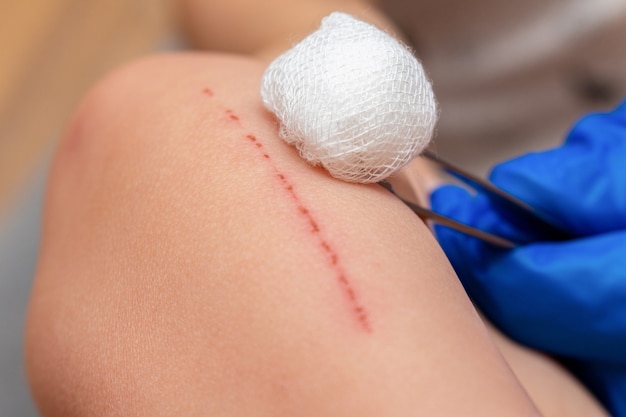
(267, 28)
(222, 26)
(188, 269)
(178, 277)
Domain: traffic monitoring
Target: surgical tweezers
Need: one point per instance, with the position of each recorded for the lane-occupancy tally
(513, 205)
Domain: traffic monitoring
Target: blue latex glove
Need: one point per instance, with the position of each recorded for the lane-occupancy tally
(567, 298)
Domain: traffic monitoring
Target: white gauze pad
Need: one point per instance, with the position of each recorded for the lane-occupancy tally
(353, 99)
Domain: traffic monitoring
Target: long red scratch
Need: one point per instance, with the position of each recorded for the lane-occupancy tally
(326, 247)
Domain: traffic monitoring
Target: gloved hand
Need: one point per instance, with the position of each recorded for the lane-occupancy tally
(567, 298)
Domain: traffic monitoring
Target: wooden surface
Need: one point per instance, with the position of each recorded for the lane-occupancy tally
(50, 52)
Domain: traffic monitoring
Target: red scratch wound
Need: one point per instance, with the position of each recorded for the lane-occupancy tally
(208, 92)
(332, 255)
(232, 116)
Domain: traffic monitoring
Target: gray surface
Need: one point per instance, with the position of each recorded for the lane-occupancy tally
(19, 240)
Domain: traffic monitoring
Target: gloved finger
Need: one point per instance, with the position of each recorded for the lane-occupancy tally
(477, 210)
(580, 185)
(462, 250)
(566, 298)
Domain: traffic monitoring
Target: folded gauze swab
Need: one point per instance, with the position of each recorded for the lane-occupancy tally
(353, 99)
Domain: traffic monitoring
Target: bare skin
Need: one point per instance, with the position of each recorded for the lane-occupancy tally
(209, 23)
(193, 264)
(178, 275)
(265, 29)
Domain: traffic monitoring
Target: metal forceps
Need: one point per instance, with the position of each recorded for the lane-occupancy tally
(510, 203)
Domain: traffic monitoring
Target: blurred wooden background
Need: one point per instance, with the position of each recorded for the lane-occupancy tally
(50, 52)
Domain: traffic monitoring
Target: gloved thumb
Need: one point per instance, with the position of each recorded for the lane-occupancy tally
(580, 185)
(479, 211)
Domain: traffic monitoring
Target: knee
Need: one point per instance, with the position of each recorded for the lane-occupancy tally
(148, 119)
(129, 179)
(129, 112)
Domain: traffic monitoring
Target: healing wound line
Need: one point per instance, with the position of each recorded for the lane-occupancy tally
(331, 254)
